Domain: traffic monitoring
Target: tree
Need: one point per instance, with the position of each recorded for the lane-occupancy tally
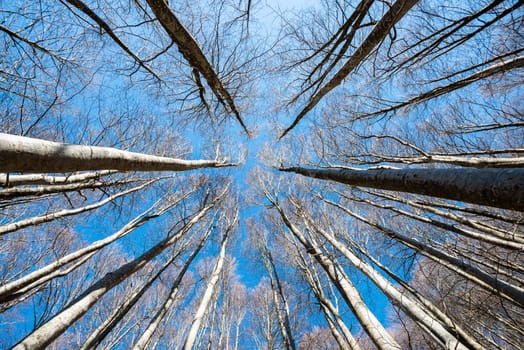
(500, 188)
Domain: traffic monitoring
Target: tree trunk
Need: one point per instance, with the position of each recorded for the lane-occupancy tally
(121, 311)
(9, 180)
(485, 280)
(192, 52)
(35, 276)
(495, 237)
(52, 329)
(501, 188)
(278, 296)
(155, 321)
(210, 289)
(382, 339)
(411, 307)
(38, 191)
(24, 154)
(375, 37)
(330, 311)
(37, 220)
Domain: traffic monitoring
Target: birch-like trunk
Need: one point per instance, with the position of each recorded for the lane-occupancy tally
(52, 329)
(34, 278)
(493, 236)
(483, 226)
(430, 306)
(121, 311)
(210, 289)
(24, 154)
(37, 220)
(395, 13)
(38, 191)
(501, 188)
(410, 306)
(278, 296)
(378, 334)
(155, 321)
(483, 279)
(190, 49)
(330, 311)
(8, 180)
(23, 293)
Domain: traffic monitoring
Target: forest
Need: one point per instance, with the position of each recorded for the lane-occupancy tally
(262, 174)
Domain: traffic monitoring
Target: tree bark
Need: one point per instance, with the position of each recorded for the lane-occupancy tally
(52, 329)
(501, 188)
(411, 307)
(380, 337)
(188, 46)
(37, 220)
(330, 311)
(210, 289)
(494, 237)
(377, 35)
(278, 295)
(24, 154)
(146, 337)
(490, 283)
(119, 313)
(38, 191)
(33, 277)
(9, 180)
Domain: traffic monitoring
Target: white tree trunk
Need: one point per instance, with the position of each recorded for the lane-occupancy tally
(8, 180)
(192, 52)
(24, 154)
(37, 220)
(431, 307)
(119, 313)
(382, 339)
(330, 311)
(494, 236)
(210, 289)
(49, 331)
(155, 321)
(26, 191)
(411, 307)
(31, 278)
(395, 13)
(280, 301)
(490, 283)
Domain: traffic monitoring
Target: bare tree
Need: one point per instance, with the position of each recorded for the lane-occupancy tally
(22, 154)
(500, 188)
(379, 335)
(210, 288)
(42, 336)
